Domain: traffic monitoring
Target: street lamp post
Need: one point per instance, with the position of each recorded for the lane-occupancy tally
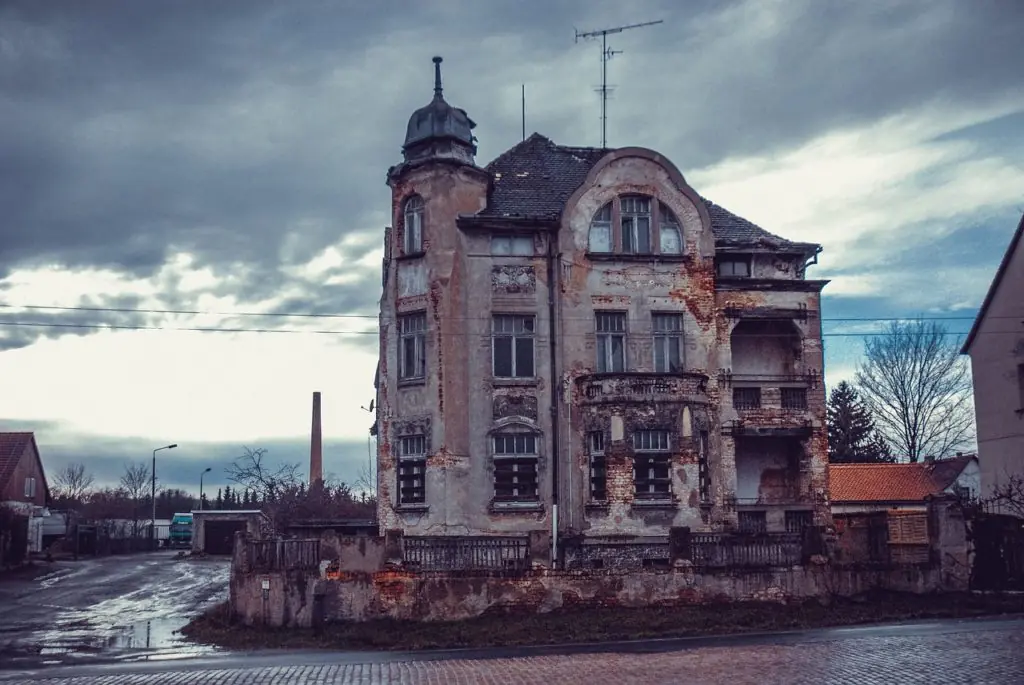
(152, 493)
(208, 469)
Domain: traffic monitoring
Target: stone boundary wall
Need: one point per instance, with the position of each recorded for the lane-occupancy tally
(307, 598)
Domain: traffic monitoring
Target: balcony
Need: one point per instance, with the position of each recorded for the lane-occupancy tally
(638, 387)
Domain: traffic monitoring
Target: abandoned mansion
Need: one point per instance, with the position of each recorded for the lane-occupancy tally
(574, 340)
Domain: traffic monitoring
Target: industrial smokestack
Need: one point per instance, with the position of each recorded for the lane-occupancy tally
(316, 457)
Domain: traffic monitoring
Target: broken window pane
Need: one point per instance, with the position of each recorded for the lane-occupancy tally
(515, 467)
(598, 468)
(668, 342)
(412, 466)
(636, 224)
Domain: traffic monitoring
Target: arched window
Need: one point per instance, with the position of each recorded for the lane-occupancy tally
(413, 225)
(671, 235)
(601, 230)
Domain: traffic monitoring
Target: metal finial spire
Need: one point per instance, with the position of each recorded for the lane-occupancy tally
(437, 77)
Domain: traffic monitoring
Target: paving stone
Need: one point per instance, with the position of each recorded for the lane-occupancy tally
(990, 656)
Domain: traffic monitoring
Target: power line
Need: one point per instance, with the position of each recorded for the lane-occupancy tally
(128, 327)
(311, 315)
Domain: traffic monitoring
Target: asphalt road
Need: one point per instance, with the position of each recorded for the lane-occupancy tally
(107, 606)
(975, 651)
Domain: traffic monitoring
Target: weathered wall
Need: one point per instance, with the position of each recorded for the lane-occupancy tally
(26, 467)
(454, 596)
(997, 353)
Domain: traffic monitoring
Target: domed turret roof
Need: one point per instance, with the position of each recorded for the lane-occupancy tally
(438, 120)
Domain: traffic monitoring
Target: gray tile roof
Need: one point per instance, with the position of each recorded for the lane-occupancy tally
(536, 178)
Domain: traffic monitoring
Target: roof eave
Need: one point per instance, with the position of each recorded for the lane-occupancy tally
(994, 286)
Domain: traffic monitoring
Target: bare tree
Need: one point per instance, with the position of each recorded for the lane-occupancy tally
(72, 483)
(918, 389)
(1008, 496)
(252, 472)
(136, 483)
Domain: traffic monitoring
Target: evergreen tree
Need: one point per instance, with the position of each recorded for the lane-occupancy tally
(852, 436)
(229, 497)
(219, 502)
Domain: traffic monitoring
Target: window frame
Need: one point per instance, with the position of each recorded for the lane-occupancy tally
(602, 220)
(30, 486)
(525, 242)
(733, 259)
(598, 464)
(412, 458)
(604, 341)
(528, 456)
(516, 338)
(413, 211)
(635, 216)
(672, 225)
(654, 455)
(419, 337)
(667, 338)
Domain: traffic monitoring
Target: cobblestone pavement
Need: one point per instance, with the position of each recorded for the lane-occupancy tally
(968, 652)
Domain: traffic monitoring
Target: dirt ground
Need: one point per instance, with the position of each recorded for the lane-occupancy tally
(584, 625)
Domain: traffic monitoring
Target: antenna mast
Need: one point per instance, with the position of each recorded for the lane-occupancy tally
(606, 54)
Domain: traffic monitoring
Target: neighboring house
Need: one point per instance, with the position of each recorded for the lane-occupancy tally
(23, 485)
(995, 345)
(864, 488)
(22, 479)
(573, 339)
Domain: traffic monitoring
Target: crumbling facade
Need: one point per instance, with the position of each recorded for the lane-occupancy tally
(573, 340)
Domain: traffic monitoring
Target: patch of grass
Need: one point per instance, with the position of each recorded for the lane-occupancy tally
(597, 624)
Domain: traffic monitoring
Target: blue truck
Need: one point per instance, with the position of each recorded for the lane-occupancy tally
(181, 531)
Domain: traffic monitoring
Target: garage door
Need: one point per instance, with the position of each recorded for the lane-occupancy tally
(220, 536)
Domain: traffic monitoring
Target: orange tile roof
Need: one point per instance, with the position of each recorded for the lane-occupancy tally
(881, 483)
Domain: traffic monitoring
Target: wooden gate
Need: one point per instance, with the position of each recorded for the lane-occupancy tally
(998, 552)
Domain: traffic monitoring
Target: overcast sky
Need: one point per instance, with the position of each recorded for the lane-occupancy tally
(230, 156)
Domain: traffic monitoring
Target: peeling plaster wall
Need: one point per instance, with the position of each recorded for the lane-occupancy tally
(405, 595)
(460, 405)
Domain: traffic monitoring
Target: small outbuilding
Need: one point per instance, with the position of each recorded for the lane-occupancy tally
(213, 530)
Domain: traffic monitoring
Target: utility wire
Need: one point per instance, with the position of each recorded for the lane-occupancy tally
(310, 315)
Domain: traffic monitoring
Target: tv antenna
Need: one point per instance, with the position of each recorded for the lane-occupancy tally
(606, 54)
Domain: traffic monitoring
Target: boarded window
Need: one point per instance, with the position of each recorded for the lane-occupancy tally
(909, 528)
(651, 464)
(412, 467)
(598, 466)
(515, 467)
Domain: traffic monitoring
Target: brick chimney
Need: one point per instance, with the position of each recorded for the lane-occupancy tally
(316, 459)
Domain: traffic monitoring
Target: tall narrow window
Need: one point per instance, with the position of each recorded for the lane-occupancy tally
(413, 225)
(412, 356)
(601, 230)
(668, 342)
(611, 342)
(703, 468)
(515, 467)
(412, 467)
(651, 479)
(636, 224)
(598, 467)
(670, 233)
(512, 341)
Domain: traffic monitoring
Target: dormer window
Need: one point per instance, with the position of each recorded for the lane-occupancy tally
(514, 245)
(413, 243)
(734, 266)
(629, 225)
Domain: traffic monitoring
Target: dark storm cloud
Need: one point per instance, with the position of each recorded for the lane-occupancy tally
(255, 133)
